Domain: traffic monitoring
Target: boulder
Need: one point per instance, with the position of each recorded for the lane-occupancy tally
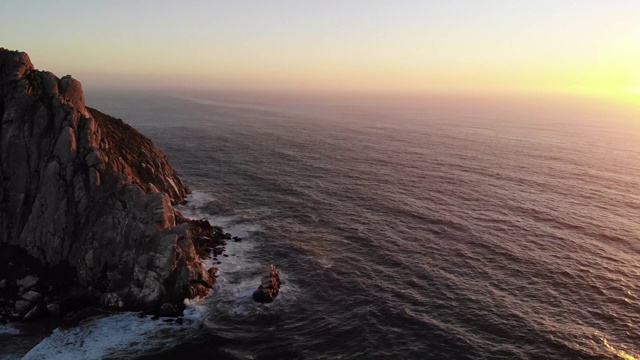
(111, 300)
(32, 296)
(53, 310)
(269, 286)
(28, 282)
(168, 310)
(22, 306)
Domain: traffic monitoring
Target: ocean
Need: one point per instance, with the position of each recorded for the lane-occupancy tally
(408, 229)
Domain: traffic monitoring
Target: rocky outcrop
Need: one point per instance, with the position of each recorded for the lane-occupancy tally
(269, 285)
(83, 189)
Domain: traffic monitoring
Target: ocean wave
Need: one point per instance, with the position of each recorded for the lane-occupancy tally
(120, 335)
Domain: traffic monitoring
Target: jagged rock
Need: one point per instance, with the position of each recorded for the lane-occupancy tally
(53, 310)
(22, 306)
(197, 289)
(82, 188)
(111, 300)
(214, 272)
(32, 296)
(28, 282)
(168, 310)
(270, 285)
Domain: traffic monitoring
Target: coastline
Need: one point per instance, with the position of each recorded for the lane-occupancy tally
(87, 208)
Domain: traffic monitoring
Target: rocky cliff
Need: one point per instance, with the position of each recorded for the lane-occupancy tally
(81, 188)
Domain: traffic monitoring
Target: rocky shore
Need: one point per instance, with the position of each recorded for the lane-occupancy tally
(87, 213)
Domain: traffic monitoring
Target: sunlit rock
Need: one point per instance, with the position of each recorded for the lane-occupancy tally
(82, 188)
(269, 286)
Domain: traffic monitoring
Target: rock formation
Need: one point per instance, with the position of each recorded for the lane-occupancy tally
(82, 189)
(269, 285)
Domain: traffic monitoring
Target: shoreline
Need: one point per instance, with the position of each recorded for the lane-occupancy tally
(32, 291)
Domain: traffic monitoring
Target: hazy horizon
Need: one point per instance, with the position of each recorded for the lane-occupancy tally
(495, 47)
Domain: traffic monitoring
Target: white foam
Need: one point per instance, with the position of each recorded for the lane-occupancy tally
(239, 274)
(325, 262)
(128, 335)
(8, 330)
(237, 301)
(238, 258)
(196, 200)
(116, 335)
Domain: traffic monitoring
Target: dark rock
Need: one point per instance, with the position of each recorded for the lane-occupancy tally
(111, 300)
(269, 287)
(204, 224)
(236, 239)
(168, 310)
(32, 296)
(227, 236)
(179, 321)
(53, 310)
(28, 282)
(22, 306)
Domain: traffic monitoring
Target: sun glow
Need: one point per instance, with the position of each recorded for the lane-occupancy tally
(631, 96)
(494, 47)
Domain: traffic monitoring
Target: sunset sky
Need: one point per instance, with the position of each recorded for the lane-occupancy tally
(470, 46)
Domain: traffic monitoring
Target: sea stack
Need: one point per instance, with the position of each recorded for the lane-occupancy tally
(269, 285)
(84, 191)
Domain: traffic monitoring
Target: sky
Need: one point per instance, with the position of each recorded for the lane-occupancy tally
(457, 46)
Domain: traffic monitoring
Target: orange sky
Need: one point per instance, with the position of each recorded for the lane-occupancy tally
(500, 47)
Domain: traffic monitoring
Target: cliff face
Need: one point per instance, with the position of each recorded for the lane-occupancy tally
(83, 188)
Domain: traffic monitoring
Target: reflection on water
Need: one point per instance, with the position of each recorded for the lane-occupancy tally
(421, 230)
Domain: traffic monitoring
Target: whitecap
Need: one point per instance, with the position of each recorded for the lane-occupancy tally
(195, 201)
(116, 335)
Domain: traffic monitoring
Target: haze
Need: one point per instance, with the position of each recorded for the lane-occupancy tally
(462, 46)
